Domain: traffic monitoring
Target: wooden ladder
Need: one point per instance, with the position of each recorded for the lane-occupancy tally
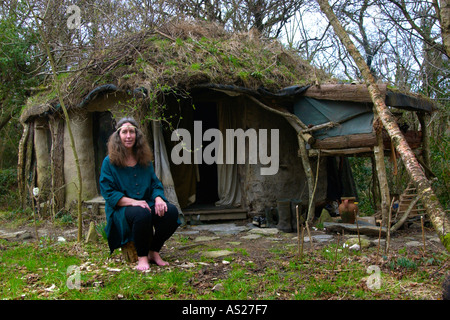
(408, 195)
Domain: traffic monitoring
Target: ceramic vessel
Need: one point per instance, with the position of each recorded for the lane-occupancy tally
(348, 209)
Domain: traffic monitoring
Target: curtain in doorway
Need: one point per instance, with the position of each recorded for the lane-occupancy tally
(162, 166)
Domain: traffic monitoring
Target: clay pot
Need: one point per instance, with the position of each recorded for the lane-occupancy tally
(348, 209)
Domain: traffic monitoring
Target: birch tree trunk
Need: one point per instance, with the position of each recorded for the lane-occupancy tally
(444, 15)
(382, 179)
(434, 209)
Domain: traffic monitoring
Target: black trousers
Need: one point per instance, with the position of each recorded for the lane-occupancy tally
(150, 231)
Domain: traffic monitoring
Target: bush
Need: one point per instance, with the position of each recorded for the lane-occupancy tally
(9, 198)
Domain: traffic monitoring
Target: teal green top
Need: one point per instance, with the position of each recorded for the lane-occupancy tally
(138, 182)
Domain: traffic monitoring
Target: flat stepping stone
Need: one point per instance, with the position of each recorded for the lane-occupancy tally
(251, 237)
(205, 238)
(221, 228)
(265, 231)
(320, 238)
(217, 253)
(366, 229)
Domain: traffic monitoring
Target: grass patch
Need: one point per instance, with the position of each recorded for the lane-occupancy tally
(47, 269)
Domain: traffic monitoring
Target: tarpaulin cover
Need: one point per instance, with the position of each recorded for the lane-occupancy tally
(353, 117)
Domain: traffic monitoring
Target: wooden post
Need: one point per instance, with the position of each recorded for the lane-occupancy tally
(425, 139)
(129, 252)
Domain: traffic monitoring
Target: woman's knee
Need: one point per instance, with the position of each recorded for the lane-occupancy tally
(172, 212)
(138, 214)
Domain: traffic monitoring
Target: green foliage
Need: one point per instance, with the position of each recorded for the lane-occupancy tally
(362, 173)
(8, 178)
(403, 262)
(440, 162)
(8, 189)
(18, 47)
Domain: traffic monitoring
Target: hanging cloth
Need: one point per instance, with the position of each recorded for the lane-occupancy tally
(162, 167)
(229, 190)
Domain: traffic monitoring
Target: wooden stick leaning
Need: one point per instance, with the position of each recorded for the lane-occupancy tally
(298, 231)
(388, 235)
(303, 241)
(309, 235)
(379, 241)
(423, 234)
(335, 253)
(357, 229)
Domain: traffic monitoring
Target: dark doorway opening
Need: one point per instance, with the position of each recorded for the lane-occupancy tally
(103, 127)
(206, 193)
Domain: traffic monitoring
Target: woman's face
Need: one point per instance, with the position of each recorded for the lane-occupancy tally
(128, 135)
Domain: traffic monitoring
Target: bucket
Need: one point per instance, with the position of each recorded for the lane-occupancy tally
(284, 215)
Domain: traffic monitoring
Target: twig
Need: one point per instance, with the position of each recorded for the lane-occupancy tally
(335, 253)
(357, 229)
(379, 241)
(34, 212)
(311, 201)
(388, 236)
(298, 230)
(165, 35)
(423, 234)
(320, 126)
(309, 235)
(303, 240)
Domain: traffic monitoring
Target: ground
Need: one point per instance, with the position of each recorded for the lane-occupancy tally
(407, 271)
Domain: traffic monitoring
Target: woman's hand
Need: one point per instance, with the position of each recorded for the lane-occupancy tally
(125, 201)
(141, 203)
(160, 206)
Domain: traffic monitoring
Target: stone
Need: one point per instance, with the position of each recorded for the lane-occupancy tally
(414, 243)
(205, 238)
(319, 238)
(264, 231)
(325, 217)
(187, 233)
(92, 235)
(217, 253)
(363, 228)
(11, 235)
(251, 237)
(365, 243)
(221, 228)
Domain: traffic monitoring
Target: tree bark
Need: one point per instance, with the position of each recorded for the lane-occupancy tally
(382, 180)
(444, 16)
(434, 209)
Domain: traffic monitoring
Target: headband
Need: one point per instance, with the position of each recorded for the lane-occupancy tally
(126, 126)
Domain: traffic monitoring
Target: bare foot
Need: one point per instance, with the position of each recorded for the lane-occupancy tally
(154, 256)
(142, 264)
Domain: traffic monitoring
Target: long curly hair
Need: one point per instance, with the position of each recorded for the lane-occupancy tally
(117, 151)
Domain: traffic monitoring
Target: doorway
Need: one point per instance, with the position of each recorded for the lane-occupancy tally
(103, 127)
(206, 188)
